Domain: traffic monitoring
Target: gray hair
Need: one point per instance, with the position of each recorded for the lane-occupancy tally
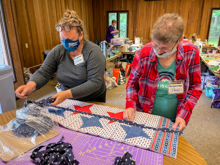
(71, 18)
(168, 28)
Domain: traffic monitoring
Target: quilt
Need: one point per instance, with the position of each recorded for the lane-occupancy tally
(93, 150)
(147, 131)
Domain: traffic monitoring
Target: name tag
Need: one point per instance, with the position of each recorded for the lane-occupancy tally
(175, 89)
(78, 59)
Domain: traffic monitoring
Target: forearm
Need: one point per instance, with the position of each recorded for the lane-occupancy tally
(69, 94)
(32, 85)
(39, 79)
(115, 31)
(85, 89)
(46, 71)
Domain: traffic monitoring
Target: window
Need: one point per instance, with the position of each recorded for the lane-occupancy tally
(214, 31)
(122, 21)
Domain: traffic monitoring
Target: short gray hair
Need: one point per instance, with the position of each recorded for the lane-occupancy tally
(168, 28)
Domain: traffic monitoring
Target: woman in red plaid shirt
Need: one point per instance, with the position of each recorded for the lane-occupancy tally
(165, 77)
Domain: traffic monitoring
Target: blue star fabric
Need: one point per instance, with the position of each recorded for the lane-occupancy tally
(58, 112)
(47, 101)
(55, 153)
(21, 129)
(30, 122)
(134, 131)
(90, 122)
(30, 128)
(40, 103)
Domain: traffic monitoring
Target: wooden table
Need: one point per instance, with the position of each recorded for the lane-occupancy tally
(126, 53)
(210, 68)
(210, 47)
(113, 57)
(119, 55)
(186, 154)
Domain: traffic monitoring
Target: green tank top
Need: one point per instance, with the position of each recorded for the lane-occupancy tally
(165, 104)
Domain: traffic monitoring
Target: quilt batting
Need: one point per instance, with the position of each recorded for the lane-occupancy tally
(147, 131)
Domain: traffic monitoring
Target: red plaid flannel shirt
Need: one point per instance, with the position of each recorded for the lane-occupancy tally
(142, 84)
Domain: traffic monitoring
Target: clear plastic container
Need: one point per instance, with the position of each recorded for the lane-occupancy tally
(118, 41)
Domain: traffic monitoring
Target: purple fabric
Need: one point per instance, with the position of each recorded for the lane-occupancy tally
(216, 81)
(216, 99)
(89, 149)
(217, 94)
(109, 36)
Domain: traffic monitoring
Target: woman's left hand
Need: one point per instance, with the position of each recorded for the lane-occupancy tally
(179, 122)
(61, 96)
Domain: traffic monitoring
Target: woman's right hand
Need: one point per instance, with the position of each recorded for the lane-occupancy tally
(129, 114)
(24, 90)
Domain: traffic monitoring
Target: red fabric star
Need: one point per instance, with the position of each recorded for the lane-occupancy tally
(118, 115)
(74, 113)
(82, 109)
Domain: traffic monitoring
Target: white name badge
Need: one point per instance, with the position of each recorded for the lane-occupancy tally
(78, 59)
(175, 89)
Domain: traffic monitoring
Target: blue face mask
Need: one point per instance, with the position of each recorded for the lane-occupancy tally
(70, 45)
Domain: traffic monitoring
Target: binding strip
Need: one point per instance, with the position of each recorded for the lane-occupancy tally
(46, 102)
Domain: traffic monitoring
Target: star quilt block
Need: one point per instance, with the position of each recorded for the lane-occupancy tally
(147, 131)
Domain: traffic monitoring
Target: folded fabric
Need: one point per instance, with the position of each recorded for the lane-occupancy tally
(27, 128)
(216, 81)
(55, 153)
(216, 98)
(125, 160)
(57, 111)
(30, 121)
(41, 103)
(21, 129)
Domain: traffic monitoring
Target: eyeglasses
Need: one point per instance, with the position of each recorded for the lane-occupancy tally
(164, 49)
(66, 28)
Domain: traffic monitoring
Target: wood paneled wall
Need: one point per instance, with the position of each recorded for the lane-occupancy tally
(35, 22)
(143, 14)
